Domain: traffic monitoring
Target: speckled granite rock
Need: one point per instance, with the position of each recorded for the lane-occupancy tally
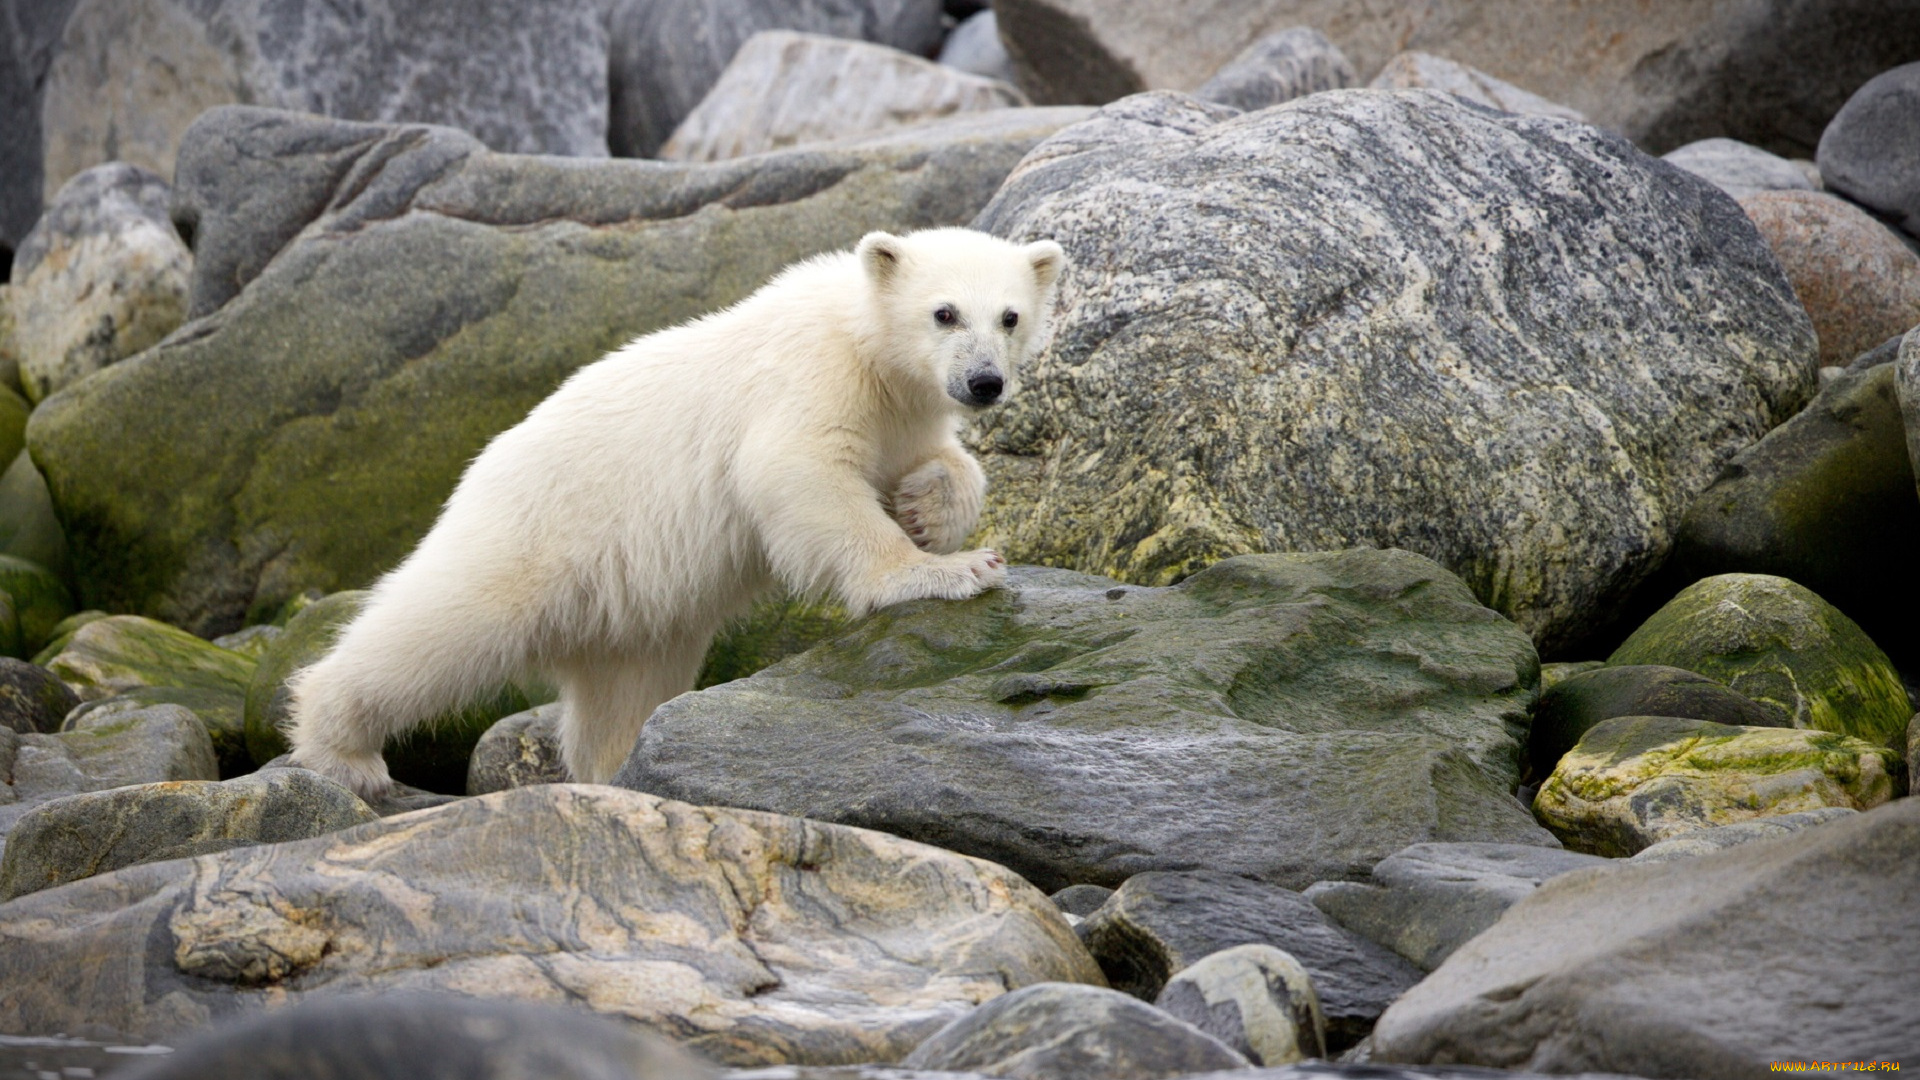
(98, 832)
(1859, 281)
(1783, 646)
(1279, 67)
(1255, 998)
(32, 699)
(1741, 169)
(1063, 1032)
(1266, 717)
(1720, 837)
(1770, 72)
(1637, 780)
(300, 450)
(1159, 923)
(1826, 500)
(1425, 71)
(1427, 901)
(520, 749)
(125, 652)
(1683, 969)
(1570, 709)
(1868, 152)
(1241, 288)
(667, 56)
(107, 748)
(131, 75)
(424, 1037)
(751, 938)
(786, 89)
(102, 276)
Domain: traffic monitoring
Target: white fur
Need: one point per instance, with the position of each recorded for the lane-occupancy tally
(806, 436)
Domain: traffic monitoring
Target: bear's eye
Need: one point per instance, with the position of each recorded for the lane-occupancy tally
(1010, 320)
(945, 315)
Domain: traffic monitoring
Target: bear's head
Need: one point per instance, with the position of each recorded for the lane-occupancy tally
(960, 311)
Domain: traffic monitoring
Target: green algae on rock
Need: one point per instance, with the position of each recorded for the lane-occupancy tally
(1780, 644)
(1634, 781)
(119, 653)
(37, 600)
(1287, 717)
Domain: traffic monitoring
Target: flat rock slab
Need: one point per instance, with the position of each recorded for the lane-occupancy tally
(1283, 717)
(1516, 345)
(276, 445)
(1689, 968)
(750, 938)
(1427, 901)
(1158, 924)
(1634, 781)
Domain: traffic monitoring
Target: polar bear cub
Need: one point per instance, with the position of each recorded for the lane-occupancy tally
(806, 436)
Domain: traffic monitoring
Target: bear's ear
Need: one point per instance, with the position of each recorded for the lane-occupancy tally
(880, 255)
(1048, 260)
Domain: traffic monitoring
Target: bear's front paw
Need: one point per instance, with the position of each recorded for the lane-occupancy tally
(934, 510)
(365, 774)
(945, 577)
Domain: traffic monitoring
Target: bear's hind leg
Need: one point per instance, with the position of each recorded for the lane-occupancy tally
(605, 701)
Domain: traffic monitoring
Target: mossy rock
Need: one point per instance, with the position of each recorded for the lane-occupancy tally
(121, 653)
(63, 632)
(39, 601)
(1577, 704)
(14, 411)
(29, 528)
(433, 756)
(223, 712)
(777, 627)
(1783, 646)
(1634, 781)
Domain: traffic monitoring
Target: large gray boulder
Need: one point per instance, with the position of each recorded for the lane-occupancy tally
(667, 55)
(1871, 151)
(1515, 345)
(785, 89)
(1284, 717)
(276, 445)
(1794, 949)
(29, 30)
(103, 749)
(1769, 72)
(1065, 1032)
(751, 938)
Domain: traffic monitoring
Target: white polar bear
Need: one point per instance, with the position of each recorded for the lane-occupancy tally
(807, 435)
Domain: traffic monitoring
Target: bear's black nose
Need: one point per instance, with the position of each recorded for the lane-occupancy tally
(985, 387)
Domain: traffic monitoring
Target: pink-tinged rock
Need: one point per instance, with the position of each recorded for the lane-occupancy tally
(1859, 282)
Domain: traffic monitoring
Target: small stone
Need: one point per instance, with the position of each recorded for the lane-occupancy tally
(1279, 67)
(1158, 923)
(222, 711)
(1870, 151)
(1570, 709)
(32, 699)
(1254, 998)
(1637, 780)
(1859, 281)
(974, 47)
(1781, 645)
(423, 1037)
(1082, 900)
(1740, 169)
(1427, 901)
(1720, 837)
(119, 653)
(518, 750)
(1424, 71)
(98, 832)
(102, 276)
(1060, 1031)
(785, 89)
